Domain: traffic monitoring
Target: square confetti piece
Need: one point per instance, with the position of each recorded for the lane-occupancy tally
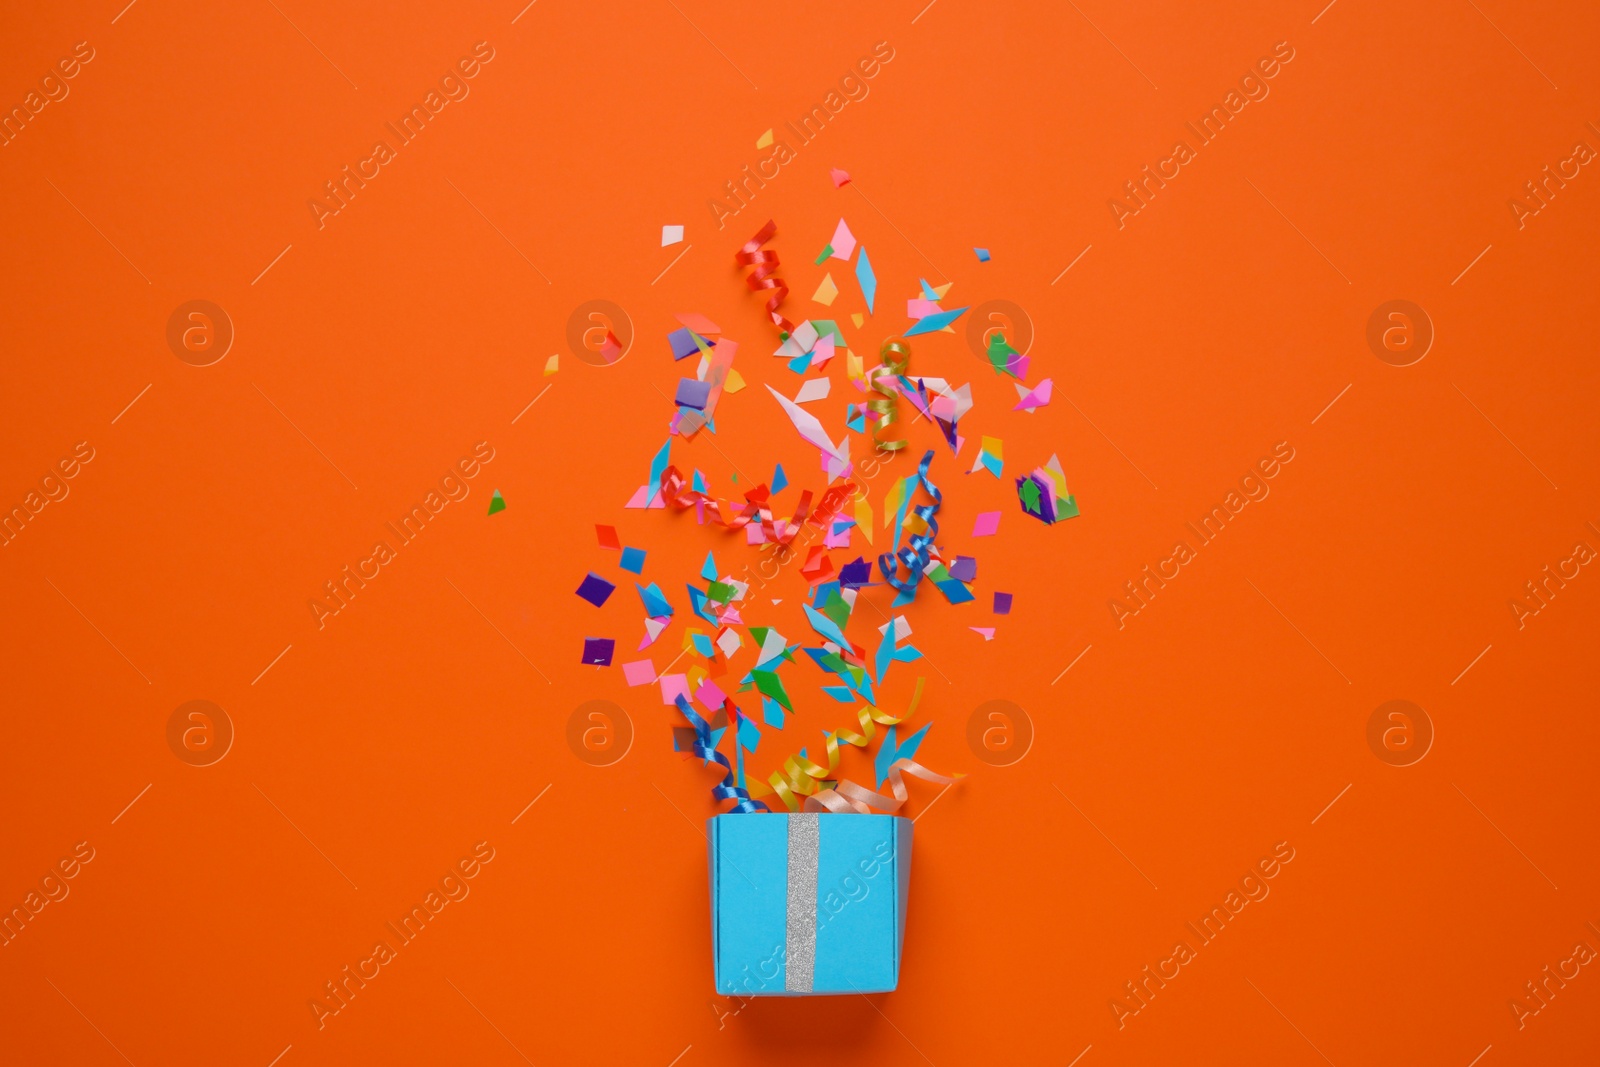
(597, 651)
(633, 560)
(596, 590)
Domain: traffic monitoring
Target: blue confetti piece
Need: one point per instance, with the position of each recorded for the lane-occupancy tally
(866, 279)
(779, 479)
(633, 560)
(937, 321)
(983, 254)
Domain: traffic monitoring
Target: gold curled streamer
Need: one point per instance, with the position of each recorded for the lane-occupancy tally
(893, 358)
(800, 777)
(847, 797)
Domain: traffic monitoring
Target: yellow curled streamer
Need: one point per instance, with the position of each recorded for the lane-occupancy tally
(801, 777)
(893, 358)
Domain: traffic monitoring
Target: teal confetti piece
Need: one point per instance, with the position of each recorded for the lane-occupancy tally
(936, 321)
(866, 279)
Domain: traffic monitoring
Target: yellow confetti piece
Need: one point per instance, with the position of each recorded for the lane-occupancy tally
(827, 291)
(994, 447)
(857, 318)
(891, 501)
(855, 367)
(765, 140)
(552, 365)
(734, 383)
(864, 516)
(943, 289)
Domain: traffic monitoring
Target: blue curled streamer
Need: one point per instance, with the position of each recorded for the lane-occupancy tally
(704, 748)
(914, 557)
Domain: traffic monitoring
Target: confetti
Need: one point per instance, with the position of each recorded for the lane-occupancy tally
(497, 502)
(867, 280)
(607, 536)
(840, 178)
(939, 321)
(988, 523)
(639, 672)
(633, 560)
(812, 389)
(595, 589)
(1035, 398)
(671, 235)
(597, 651)
(982, 254)
(843, 243)
(552, 365)
(827, 292)
(986, 631)
(1002, 603)
(765, 140)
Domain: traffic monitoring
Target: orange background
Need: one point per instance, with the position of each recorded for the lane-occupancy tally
(1220, 720)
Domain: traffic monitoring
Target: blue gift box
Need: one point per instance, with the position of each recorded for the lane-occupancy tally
(808, 903)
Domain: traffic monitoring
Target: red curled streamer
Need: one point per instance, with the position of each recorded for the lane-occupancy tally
(676, 492)
(764, 275)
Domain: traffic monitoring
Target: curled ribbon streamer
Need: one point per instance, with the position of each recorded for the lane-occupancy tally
(763, 277)
(894, 357)
(800, 777)
(702, 746)
(677, 491)
(914, 557)
(848, 797)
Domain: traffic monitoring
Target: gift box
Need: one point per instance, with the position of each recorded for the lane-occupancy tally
(808, 903)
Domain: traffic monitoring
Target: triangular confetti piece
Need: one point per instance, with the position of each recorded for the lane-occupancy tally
(497, 502)
(552, 365)
(840, 178)
(827, 291)
(765, 140)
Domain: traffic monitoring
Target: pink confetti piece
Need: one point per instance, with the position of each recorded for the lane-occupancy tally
(986, 526)
(674, 686)
(639, 672)
(840, 178)
(986, 631)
